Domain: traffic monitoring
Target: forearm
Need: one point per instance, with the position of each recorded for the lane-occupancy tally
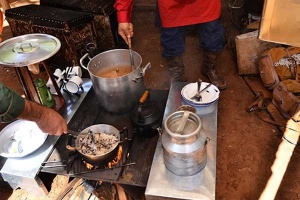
(13, 106)
(32, 111)
(47, 119)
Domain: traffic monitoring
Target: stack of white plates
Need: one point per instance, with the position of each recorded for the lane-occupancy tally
(209, 95)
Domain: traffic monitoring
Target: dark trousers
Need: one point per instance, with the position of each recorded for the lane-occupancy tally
(211, 36)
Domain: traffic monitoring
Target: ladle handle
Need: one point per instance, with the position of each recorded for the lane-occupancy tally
(130, 53)
(129, 42)
(182, 122)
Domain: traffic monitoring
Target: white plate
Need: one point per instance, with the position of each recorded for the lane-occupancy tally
(26, 132)
(210, 95)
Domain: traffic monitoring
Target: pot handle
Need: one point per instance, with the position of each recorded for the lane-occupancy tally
(125, 132)
(142, 72)
(142, 100)
(69, 147)
(82, 59)
(69, 141)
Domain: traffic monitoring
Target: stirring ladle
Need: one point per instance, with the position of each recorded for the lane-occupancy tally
(182, 122)
(130, 52)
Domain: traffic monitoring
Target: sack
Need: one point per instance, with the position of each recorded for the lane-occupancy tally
(279, 64)
(287, 103)
(292, 86)
(287, 66)
(266, 68)
(267, 72)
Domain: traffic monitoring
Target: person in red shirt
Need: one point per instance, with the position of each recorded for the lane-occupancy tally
(175, 16)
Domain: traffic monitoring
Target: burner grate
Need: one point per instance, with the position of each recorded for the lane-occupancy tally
(79, 168)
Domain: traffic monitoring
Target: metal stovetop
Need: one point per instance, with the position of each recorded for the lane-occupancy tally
(139, 150)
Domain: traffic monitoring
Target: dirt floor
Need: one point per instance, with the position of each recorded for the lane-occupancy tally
(246, 146)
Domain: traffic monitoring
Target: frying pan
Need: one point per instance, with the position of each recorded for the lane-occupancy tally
(102, 158)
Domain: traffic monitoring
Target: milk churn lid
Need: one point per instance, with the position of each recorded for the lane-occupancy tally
(28, 49)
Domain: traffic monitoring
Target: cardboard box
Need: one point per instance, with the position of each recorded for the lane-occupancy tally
(280, 22)
(248, 50)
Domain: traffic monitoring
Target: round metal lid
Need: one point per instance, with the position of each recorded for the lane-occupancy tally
(28, 49)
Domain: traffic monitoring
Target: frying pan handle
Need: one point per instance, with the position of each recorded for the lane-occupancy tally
(69, 147)
(69, 141)
(125, 132)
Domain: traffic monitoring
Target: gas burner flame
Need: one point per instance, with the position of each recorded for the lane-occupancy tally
(89, 166)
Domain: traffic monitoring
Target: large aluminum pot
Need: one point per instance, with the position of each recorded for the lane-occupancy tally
(184, 144)
(102, 158)
(120, 94)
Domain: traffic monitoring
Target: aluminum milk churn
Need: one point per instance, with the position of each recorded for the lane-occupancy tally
(184, 143)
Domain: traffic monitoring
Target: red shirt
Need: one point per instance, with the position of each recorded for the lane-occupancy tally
(174, 13)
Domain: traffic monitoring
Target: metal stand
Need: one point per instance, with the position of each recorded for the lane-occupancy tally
(163, 184)
(30, 91)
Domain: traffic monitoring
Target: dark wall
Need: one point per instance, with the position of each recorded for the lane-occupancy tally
(254, 6)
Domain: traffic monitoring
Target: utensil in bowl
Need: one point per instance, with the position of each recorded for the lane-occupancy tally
(198, 96)
(200, 91)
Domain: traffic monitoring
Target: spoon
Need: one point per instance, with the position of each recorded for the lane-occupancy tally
(130, 53)
(198, 96)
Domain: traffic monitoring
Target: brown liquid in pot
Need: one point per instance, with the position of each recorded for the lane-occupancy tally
(114, 72)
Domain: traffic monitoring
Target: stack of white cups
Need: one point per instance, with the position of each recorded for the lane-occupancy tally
(70, 78)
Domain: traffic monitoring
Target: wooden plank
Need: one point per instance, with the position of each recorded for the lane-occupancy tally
(68, 195)
(106, 191)
(121, 192)
(68, 188)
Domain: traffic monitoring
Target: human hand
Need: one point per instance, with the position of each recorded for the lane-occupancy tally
(125, 30)
(52, 122)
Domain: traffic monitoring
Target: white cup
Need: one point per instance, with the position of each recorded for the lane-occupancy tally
(74, 84)
(51, 86)
(76, 71)
(58, 74)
